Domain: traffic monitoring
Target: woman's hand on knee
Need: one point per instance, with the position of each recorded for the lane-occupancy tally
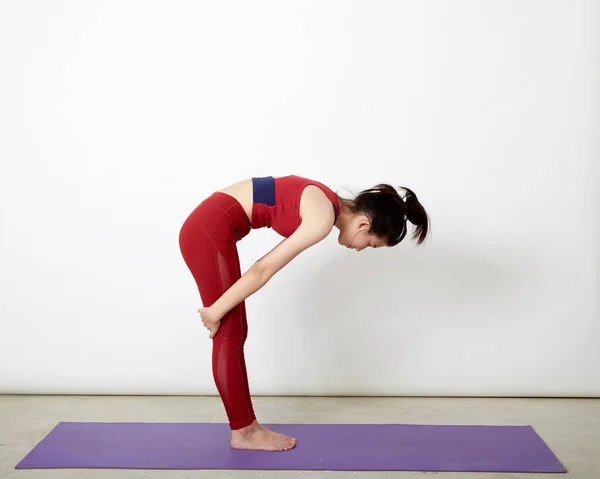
(210, 321)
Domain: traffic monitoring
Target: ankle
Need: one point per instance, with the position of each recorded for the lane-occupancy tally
(246, 431)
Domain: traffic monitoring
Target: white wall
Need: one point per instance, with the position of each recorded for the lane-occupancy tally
(118, 118)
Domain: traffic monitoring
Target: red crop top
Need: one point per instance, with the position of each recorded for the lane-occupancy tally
(276, 202)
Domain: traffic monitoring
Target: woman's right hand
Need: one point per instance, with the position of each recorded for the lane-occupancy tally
(210, 321)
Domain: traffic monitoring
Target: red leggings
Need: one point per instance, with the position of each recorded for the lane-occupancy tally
(208, 244)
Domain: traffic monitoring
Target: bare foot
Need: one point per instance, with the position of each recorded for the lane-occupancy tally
(282, 437)
(256, 437)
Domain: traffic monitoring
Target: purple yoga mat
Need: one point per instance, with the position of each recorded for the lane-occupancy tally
(355, 447)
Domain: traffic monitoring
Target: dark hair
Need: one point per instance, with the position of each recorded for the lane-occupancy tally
(388, 213)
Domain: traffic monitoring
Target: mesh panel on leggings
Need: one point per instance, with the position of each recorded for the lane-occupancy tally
(227, 336)
(229, 370)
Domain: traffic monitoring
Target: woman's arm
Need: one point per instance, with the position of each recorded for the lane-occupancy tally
(263, 270)
(316, 225)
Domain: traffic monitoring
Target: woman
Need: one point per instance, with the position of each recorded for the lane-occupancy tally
(304, 212)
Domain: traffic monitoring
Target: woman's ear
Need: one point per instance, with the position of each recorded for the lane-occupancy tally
(364, 223)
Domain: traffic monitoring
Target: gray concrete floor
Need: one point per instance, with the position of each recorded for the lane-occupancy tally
(570, 427)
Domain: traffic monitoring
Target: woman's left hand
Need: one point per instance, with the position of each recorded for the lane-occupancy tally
(210, 321)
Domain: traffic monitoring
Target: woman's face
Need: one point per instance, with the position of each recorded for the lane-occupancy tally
(356, 234)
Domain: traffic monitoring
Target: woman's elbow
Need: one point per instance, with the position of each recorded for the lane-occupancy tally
(261, 273)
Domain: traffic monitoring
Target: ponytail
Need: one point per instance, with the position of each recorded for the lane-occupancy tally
(416, 214)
